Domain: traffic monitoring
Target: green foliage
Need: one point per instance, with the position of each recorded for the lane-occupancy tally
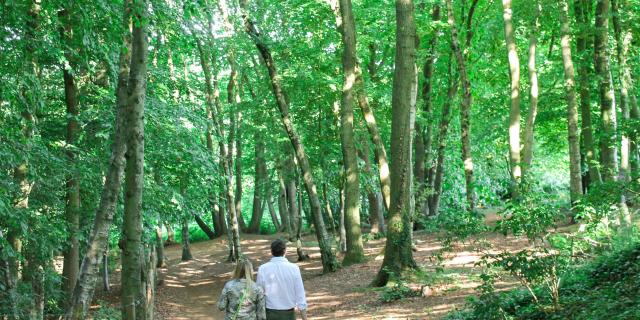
(106, 312)
(532, 216)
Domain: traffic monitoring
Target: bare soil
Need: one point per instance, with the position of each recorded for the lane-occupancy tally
(190, 289)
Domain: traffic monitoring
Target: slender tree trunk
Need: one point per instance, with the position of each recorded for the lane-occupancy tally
(204, 227)
(424, 184)
(272, 209)
(283, 201)
(186, 245)
(465, 111)
(575, 178)
(72, 205)
(623, 38)
(380, 152)
(329, 262)
(434, 199)
(341, 226)
(582, 10)
(260, 186)
(89, 269)
(105, 271)
(214, 114)
(398, 254)
(376, 217)
(159, 246)
(346, 26)
(529, 140)
(514, 113)
(132, 259)
(608, 142)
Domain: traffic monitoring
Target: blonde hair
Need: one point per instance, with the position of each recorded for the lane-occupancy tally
(244, 269)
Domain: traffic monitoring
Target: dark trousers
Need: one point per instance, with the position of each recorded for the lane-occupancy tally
(281, 314)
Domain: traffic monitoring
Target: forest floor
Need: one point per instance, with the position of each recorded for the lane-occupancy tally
(190, 290)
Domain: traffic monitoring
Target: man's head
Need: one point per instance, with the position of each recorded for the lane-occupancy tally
(278, 248)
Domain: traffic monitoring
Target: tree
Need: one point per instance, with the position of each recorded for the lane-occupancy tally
(608, 150)
(132, 249)
(398, 254)
(514, 113)
(84, 288)
(465, 109)
(575, 181)
(346, 25)
(329, 263)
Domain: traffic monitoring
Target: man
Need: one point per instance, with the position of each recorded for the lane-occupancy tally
(282, 285)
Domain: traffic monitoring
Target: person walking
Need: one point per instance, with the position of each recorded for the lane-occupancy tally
(282, 285)
(241, 298)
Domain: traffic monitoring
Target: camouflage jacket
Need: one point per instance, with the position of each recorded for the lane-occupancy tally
(251, 301)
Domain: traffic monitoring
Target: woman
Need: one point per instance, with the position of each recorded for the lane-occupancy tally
(241, 298)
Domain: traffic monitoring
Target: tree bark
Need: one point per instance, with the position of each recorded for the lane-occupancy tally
(582, 10)
(159, 246)
(608, 142)
(376, 215)
(424, 173)
(132, 258)
(72, 205)
(346, 25)
(204, 227)
(623, 38)
(465, 111)
(329, 262)
(259, 186)
(283, 201)
(529, 139)
(84, 288)
(434, 199)
(575, 178)
(514, 113)
(186, 245)
(398, 254)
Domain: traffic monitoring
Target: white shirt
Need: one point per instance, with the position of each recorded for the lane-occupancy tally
(282, 284)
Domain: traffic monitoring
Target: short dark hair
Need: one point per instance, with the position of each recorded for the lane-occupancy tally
(278, 247)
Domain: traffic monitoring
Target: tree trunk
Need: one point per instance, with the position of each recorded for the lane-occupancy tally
(514, 113)
(132, 259)
(72, 204)
(105, 271)
(329, 262)
(582, 10)
(575, 178)
(343, 230)
(186, 245)
(204, 227)
(434, 199)
(171, 235)
(608, 142)
(380, 152)
(259, 186)
(84, 288)
(465, 110)
(425, 181)
(376, 217)
(283, 207)
(529, 141)
(272, 210)
(159, 246)
(398, 254)
(346, 26)
(214, 114)
(623, 38)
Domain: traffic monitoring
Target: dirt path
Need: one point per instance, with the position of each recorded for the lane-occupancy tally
(191, 289)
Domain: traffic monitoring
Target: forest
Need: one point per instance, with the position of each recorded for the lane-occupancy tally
(424, 159)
